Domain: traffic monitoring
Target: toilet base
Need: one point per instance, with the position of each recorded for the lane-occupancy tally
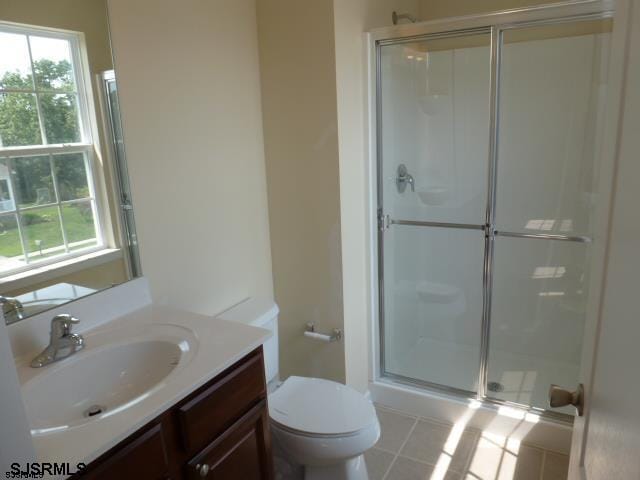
(351, 469)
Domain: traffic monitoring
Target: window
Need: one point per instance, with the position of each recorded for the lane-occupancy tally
(48, 209)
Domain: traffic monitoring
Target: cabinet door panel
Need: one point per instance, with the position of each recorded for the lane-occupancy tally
(243, 451)
(209, 413)
(144, 458)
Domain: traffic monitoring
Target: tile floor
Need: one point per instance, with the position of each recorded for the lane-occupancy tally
(413, 448)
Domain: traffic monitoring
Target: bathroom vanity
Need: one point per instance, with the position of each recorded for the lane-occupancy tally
(155, 393)
(219, 431)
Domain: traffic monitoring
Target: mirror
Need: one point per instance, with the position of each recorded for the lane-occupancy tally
(66, 218)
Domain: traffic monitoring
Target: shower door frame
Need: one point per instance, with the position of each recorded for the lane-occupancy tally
(494, 24)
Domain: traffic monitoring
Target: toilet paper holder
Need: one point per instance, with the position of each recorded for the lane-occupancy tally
(310, 332)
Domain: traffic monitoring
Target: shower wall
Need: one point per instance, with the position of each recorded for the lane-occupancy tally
(435, 120)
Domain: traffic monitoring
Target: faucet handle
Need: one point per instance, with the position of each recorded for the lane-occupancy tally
(61, 325)
(403, 177)
(12, 304)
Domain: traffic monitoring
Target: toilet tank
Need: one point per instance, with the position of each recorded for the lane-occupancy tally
(259, 312)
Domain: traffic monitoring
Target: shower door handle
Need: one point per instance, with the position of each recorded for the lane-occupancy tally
(561, 397)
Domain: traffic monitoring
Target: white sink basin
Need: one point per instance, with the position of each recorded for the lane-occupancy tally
(116, 370)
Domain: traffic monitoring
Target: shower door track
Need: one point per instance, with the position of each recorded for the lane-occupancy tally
(493, 24)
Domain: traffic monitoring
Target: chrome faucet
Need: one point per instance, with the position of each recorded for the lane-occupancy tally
(62, 343)
(404, 178)
(12, 309)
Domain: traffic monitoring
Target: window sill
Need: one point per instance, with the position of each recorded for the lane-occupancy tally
(64, 267)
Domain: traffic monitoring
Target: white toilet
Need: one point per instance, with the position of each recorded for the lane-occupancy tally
(322, 425)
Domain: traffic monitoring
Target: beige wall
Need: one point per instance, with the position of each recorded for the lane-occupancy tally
(352, 19)
(301, 145)
(189, 87)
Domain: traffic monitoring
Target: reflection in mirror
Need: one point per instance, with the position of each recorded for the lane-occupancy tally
(66, 218)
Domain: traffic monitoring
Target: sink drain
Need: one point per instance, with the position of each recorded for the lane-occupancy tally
(94, 410)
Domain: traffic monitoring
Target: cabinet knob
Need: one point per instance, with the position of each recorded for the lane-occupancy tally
(203, 469)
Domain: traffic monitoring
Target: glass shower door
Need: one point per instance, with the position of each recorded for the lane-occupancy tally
(434, 111)
(552, 85)
(492, 205)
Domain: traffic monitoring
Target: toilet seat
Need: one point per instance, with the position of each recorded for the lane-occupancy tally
(314, 407)
(300, 433)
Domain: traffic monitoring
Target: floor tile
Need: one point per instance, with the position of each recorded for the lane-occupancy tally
(430, 441)
(406, 469)
(528, 463)
(378, 462)
(486, 460)
(415, 449)
(556, 466)
(395, 429)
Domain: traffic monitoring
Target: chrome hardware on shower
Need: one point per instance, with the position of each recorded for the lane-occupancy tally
(384, 221)
(403, 177)
(561, 397)
(396, 17)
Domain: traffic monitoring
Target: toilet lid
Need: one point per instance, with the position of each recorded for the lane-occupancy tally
(317, 406)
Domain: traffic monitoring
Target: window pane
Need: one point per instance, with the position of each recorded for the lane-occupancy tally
(11, 255)
(71, 175)
(79, 225)
(60, 116)
(52, 64)
(43, 233)
(15, 68)
(19, 120)
(7, 201)
(33, 181)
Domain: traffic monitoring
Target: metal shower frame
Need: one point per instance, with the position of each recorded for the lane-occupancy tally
(493, 24)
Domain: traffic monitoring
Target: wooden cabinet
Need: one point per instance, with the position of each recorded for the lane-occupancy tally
(241, 452)
(131, 459)
(213, 410)
(220, 431)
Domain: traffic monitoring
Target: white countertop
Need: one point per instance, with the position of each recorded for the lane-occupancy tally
(219, 344)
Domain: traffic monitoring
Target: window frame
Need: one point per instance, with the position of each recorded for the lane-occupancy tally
(88, 145)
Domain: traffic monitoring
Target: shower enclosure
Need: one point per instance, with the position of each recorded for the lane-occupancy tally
(490, 197)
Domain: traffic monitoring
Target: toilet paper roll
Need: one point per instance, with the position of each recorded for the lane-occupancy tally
(319, 336)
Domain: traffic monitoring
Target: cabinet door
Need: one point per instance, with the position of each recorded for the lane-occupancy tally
(144, 458)
(243, 451)
(212, 411)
